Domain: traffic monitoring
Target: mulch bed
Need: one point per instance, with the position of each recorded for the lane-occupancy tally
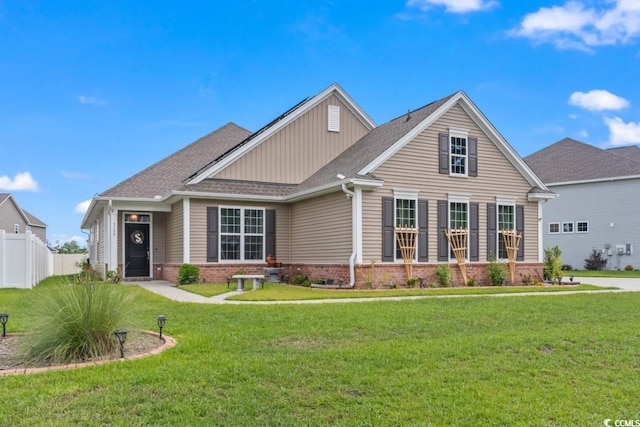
(138, 343)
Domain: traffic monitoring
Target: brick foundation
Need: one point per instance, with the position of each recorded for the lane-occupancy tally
(378, 277)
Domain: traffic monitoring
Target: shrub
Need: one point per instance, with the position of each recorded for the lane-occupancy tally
(75, 321)
(628, 267)
(552, 264)
(595, 261)
(496, 272)
(566, 267)
(113, 276)
(526, 279)
(412, 282)
(443, 273)
(299, 279)
(471, 282)
(188, 273)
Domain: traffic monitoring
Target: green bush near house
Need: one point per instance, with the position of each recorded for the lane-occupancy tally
(552, 264)
(496, 272)
(443, 274)
(188, 273)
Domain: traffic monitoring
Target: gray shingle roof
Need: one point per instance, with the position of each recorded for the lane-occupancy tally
(631, 152)
(569, 160)
(246, 188)
(370, 146)
(170, 173)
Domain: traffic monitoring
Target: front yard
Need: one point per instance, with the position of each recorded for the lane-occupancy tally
(562, 360)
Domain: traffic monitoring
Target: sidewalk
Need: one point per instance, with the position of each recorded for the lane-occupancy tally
(167, 290)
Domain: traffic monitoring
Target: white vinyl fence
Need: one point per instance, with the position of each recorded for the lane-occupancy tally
(64, 264)
(25, 260)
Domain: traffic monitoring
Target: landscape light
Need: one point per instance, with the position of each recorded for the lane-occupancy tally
(161, 321)
(121, 334)
(3, 319)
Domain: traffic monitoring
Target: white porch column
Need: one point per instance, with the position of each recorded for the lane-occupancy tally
(357, 224)
(186, 231)
(111, 238)
(540, 232)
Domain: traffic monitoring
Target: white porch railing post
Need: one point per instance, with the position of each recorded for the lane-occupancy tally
(3, 267)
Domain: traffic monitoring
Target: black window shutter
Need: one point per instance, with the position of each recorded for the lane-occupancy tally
(387, 229)
(270, 231)
(473, 156)
(474, 230)
(520, 229)
(212, 234)
(423, 227)
(443, 150)
(443, 219)
(492, 232)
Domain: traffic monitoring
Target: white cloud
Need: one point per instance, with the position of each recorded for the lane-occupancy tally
(598, 100)
(583, 134)
(454, 6)
(82, 207)
(23, 181)
(621, 133)
(90, 100)
(574, 26)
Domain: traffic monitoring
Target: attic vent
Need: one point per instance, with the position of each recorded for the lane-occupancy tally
(334, 118)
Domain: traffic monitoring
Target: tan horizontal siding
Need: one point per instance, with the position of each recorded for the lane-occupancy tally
(301, 148)
(415, 167)
(198, 239)
(159, 220)
(174, 239)
(321, 230)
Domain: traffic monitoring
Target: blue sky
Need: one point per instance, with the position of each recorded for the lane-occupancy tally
(93, 92)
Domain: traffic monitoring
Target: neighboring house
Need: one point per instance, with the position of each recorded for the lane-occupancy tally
(321, 188)
(598, 202)
(14, 219)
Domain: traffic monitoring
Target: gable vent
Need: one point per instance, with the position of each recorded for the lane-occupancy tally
(334, 118)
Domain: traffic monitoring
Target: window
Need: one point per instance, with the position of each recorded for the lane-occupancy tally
(554, 227)
(458, 220)
(241, 234)
(506, 222)
(406, 215)
(582, 226)
(567, 227)
(458, 154)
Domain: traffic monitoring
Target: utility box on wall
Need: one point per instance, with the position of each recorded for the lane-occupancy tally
(629, 249)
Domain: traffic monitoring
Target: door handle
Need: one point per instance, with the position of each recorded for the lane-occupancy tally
(147, 255)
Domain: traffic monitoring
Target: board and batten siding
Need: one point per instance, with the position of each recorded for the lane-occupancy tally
(174, 240)
(416, 167)
(611, 208)
(297, 151)
(198, 239)
(321, 230)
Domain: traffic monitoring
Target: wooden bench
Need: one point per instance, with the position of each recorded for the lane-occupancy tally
(257, 279)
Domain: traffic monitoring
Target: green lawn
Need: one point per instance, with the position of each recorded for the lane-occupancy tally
(548, 361)
(602, 273)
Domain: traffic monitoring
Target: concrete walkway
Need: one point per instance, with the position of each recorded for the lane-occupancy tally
(172, 292)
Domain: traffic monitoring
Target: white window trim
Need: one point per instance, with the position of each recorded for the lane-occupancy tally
(504, 202)
(459, 133)
(459, 198)
(403, 195)
(573, 227)
(554, 232)
(582, 232)
(242, 235)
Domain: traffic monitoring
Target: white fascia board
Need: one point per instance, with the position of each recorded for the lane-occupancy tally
(313, 102)
(589, 181)
(507, 150)
(133, 205)
(177, 195)
(533, 197)
(89, 215)
(417, 130)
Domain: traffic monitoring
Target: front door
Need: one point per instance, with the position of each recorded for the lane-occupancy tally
(136, 250)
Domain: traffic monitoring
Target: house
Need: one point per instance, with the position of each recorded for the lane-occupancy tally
(14, 219)
(597, 204)
(321, 188)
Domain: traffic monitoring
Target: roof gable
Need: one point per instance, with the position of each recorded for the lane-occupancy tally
(29, 219)
(279, 123)
(571, 161)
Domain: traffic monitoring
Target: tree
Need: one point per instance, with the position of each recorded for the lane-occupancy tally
(595, 261)
(71, 247)
(552, 264)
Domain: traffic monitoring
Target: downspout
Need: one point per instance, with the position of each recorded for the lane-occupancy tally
(354, 244)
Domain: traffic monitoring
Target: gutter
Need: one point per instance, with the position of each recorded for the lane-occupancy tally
(354, 244)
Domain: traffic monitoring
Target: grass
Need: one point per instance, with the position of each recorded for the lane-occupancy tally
(553, 361)
(603, 273)
(283, 292)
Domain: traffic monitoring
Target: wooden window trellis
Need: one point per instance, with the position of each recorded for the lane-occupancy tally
(407, 240)
(458, 241)
(511, 243)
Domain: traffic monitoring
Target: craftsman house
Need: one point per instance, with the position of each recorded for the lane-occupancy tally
(322, 188)
(597, 207)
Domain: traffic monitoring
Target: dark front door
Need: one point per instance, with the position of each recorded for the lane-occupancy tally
(136, 250)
